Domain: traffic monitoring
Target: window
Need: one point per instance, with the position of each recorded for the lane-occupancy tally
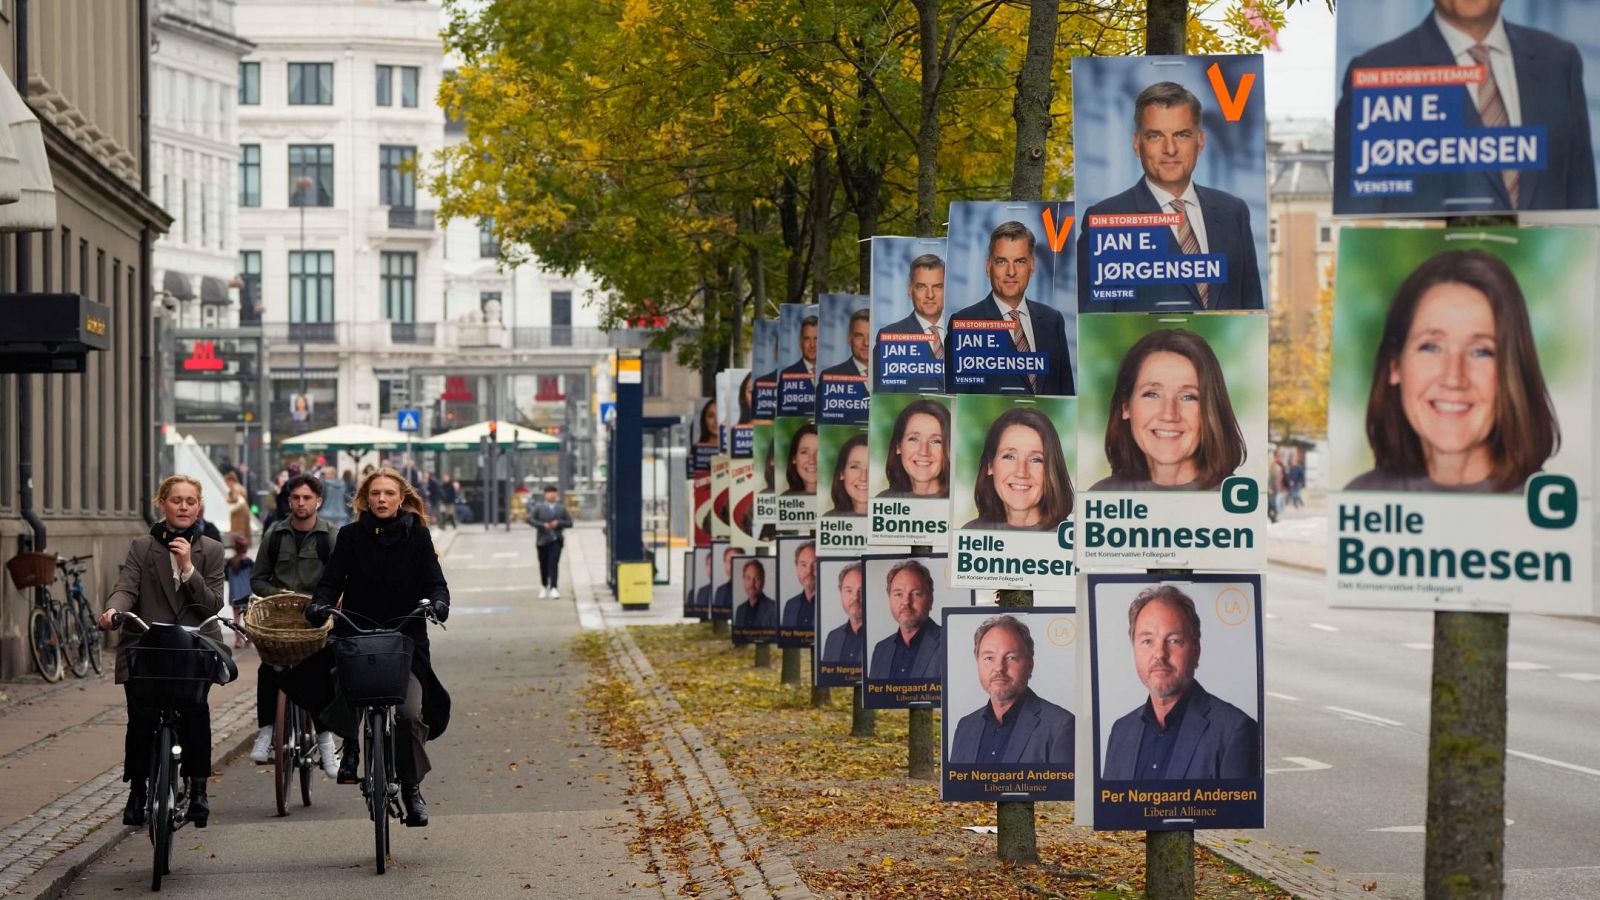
(310, 84)
(400, 286)
(310, 285)
(410, 78)
(385, 81)
(1272, 232)
(488, 244)
(397, 183)
(650, 373)
(249, 84)
(250, 287)
(490, 305)
(1324, 234)
(183, 214)
(561, 309)
(394, 391)
(250, 175)
(314, 164)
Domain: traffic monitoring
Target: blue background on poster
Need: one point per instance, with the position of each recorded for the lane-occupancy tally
(891, 299)
(833, 349)
(791, 316)
(1234, 160)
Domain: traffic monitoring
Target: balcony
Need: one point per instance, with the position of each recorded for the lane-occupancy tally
(292, 332)
(412, 333)
(402, 218)
(577, 337)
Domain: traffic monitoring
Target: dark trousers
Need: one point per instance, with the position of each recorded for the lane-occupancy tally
(549, 563)
(266, 695)
(194, 736)
(410, 737)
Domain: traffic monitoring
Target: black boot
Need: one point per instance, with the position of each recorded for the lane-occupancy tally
(133, 813)
(199, 808)
(350, 764)
(416, 809)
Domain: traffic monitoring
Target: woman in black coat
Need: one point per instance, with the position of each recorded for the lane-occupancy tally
(383, 566)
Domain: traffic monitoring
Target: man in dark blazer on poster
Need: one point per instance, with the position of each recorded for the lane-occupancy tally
(800, 610)
(807, 363)
(847, 644)
(1168, 139)
(1181, 731)
(916, 649)
(925, 287)
(1016, 726)
(1010, 265)
(1538, 78)
(860, 347)
(722, 600)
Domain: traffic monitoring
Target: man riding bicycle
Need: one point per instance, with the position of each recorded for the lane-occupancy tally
(294, 552)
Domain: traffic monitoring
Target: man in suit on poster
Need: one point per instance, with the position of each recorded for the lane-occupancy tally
(925, 287)
(916, 649)
(1016, 726)
(807, 363)
(846, 645)
(800, 610)
(860, 347)
(1037, 328)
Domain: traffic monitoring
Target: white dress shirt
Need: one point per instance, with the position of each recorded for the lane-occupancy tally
(928, 326)
(861, 367)
(1505, 70)
(1191, 210)
(1023, 317)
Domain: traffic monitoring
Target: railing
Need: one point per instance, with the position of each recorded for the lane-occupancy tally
(577, 337)
(412, 332)
(291, 332)
(411, 219)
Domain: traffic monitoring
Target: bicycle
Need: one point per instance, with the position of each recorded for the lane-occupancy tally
(168, 677)
(294, 750)
(87, 650)
(374, 667)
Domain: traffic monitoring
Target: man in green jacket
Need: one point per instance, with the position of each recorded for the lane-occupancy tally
(292, 555)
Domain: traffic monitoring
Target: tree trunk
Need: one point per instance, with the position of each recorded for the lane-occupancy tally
(1031, 107)
(927, 146)
(1166, 28)
(919, 745)
(1169, 865)
(794, 240)
(708, 350)
(863, 721)
(791, 666)
(821, 208)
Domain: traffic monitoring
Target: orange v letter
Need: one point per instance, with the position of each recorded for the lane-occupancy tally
(1232, 107)
(1056, 238)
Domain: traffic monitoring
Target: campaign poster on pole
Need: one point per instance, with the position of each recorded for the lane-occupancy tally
(1460, 418)
(755, 611)
(764, 365)
(703, 435)
(844, 488)
(688, 583)
(797, 590)
(1014, 328)
(908, 311)
(794, 445)
(1172, 442)
(1012, 492)
(1170, 154)
(722, 579)
(721, 497)
(797, 359)
(1146, 669)
(906, 595)
(841, 631)
(1450, 108)
(735, 409)
(909, 451)
(1008, 729)
(845, 352)
(699, 604)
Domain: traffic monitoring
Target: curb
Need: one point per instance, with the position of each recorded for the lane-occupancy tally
(1298, 566)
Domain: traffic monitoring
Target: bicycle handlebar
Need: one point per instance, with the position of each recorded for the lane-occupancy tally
(120, 618)
(424, 609)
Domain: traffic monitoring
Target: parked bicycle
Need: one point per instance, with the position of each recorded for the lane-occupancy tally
(171, 667)
(85, 654)
(53, 630)
(374, 666)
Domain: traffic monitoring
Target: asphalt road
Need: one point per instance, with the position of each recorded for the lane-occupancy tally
(523, 802)
(1347, 714)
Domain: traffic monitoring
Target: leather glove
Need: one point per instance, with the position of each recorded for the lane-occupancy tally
(317, 615)
(441, 610)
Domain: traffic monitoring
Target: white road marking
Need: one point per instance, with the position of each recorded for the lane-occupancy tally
(1579, 676)
(1571, 767)
(512, 555)
(463, 556)
(1413, 829)
(1526, 666)
(1283, 696)
(1321, 627)
(1365, 717)
(498, 567)
(1417, 646)
(1301, 764)
(489, 590)
(479, 610)
(1272, 615)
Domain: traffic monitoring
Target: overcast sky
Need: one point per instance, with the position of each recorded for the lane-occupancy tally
(1300, 76)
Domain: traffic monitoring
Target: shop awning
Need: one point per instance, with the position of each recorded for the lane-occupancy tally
(24, 167)
(177, 285)
(347, 437)
(213, 290)
(506, 435)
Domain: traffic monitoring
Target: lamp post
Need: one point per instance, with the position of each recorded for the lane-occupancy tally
(301, 185)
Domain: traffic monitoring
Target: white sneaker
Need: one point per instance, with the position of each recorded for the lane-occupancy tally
(554, 594)
(261, 753)
(543, 592)
(329, 756)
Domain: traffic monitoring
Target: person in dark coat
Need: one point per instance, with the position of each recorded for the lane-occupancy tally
(551, 518)
(383, 566)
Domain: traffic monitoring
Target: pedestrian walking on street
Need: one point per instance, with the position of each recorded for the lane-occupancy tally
(551, 518)
(448, 495)
(382, 568)
(238, 508)
(293, 554)
(173, 574)
(239, 568)
(335, 499)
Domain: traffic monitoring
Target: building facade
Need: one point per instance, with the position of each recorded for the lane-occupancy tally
(93, 440)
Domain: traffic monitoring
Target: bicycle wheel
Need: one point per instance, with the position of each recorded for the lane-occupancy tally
(308, 754)
(45, 642)
(377, 783)
(74, 640)
(94, 642)
(283, 747)
(161, 814)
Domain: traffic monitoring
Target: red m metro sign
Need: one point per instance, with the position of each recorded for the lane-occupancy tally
(203, 358)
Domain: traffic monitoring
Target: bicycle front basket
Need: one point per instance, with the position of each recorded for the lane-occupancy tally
(168, 668)
(374, 669)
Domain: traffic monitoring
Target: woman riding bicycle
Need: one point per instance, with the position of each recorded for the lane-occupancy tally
(174, 575)
(384, 565)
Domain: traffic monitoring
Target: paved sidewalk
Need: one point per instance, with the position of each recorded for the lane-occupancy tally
(1299, 539)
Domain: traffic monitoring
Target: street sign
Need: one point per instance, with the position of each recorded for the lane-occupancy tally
(608, 412)
(408, 420)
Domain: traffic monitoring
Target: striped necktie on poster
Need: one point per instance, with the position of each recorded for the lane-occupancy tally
(1189, 243)
(1492, 111)
(938, 341)
(1023, 346)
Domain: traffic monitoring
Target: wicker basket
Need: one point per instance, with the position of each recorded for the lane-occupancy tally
(277, 626)
(31, 570)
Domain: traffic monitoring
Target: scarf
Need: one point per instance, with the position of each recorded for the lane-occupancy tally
(166, 534)
(388, 531)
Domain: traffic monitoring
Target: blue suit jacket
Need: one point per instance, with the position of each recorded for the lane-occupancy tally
(915, 385)
(1050, 338)
(1550, 92)
(839, 642)
(928, 663)
(722, 600)
(847, 368)
(1043, 735)
(798, 367)
(793, 606)
(702, 599)
(1228, 232)
(1215, 740)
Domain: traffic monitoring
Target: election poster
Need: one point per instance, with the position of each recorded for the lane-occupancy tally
(1448, 108)
(764, 366)
(795, 468)
(755, 611)
(843, 492)
(1460, 408)
(703, 436)
(797, 590)
(1010, 686)
(908, 312)
(700, 589)
(1014, 325)
(909, 478)
(1147, 675)
(1172, 442)
(721, 497)
(906, 595)
(688, 583)
(841, 631)
(1171, 162)
(845, 348)
(735, 411)
(722, 579)
(741, 502)
(1012, 493)
(797, 359)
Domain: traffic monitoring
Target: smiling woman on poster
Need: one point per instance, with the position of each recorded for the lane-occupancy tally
(1456, 375)
(1022, 476)
(802, 474)
(919, 456)
(708, 424)
(849, 491)
(1171, 425)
